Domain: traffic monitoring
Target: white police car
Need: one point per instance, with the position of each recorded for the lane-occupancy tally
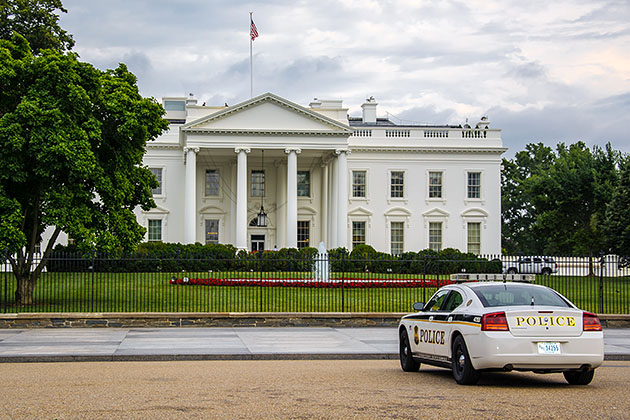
(474, 327)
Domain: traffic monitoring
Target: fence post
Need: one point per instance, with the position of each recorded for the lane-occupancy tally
(92, 268)
(260, 278)
(343, 275)
(602, 261)
(424, 280)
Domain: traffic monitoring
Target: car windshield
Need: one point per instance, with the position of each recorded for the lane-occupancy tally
(509, 294)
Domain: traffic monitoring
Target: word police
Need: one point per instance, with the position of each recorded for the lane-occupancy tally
(545, 321)
(432, 336)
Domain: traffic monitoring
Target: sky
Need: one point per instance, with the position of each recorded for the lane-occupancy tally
(541, 71)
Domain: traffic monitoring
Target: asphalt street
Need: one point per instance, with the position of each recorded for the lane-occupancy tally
(128, 344)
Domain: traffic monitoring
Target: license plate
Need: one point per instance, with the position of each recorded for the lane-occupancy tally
(548, 348)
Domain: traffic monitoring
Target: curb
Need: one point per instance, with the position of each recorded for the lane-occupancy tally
(219, 357)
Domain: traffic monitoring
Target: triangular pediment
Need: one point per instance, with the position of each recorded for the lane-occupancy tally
(268, 113)
(359, 211)
(435, 212)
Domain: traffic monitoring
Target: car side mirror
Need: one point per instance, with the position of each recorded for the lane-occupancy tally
(418, 306)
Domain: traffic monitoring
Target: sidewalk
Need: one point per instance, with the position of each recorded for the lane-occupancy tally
(121, 344)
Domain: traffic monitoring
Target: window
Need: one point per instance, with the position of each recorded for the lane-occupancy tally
(435, 184)
(435, 236)
(303, 233)
(212, 183)
(358, 233)
(397, 237)
(397, 184)
(435, 303)
(175, 105)
(453, 301)
(358, 184)
(212, 231)
(303, 183)
(155, 230)
(474, 237)
(258, 183)
(474, 184)
(157, 172)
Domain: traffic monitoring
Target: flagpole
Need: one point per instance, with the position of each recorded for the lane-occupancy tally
(251, 61)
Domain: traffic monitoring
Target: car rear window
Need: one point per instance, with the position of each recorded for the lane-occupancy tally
(517, 295)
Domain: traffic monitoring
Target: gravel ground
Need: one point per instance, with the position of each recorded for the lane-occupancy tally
(342, 389)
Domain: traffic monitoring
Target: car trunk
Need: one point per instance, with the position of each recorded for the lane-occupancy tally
(544, 322)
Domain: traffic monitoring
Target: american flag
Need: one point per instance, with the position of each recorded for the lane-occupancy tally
(253, 32)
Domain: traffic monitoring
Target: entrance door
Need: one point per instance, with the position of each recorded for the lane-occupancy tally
(258, 242)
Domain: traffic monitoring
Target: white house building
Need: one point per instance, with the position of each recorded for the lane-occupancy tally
(319, 175)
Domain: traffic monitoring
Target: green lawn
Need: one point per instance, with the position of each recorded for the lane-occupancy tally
(151, 292)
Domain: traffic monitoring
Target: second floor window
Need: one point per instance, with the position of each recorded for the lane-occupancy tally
(435, 184)
(212, 182)
(303, 184)
(258, 183)
(474, 184)
(358, 184)
(157, 172)
(397, 184)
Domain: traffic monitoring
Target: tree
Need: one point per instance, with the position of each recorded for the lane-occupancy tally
(36, 21)
(517, 213)
(617, 223)
(72, 138)
(571, 199)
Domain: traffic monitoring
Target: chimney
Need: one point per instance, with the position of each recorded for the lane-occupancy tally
(191, 100)
(483, 124)
(369, 110)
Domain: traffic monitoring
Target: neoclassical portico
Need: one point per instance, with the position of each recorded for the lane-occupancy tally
(303, 139)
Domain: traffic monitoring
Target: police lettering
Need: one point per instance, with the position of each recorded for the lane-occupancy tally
(432, 336)
(545, 321)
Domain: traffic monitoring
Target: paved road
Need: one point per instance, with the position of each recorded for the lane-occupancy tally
(96, 344)
(298, 389)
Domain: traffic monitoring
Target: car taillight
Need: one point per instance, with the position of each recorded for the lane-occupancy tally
(590, 322)
(495, 321)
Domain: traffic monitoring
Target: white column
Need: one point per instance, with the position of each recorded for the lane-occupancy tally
(232, 215)
(190, 194)
(342, 197)
(323, 212)
(292, 197)
(241, 198)
(281, 193)
(333, 204)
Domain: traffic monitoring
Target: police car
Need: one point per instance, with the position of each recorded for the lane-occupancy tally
(472, 327)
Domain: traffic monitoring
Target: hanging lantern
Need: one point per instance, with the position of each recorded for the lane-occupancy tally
(261, 221)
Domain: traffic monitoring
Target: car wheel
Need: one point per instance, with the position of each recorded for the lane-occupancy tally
(407, 361)
(512, 270)
(546, 271)
(578, 377)
(463, 371)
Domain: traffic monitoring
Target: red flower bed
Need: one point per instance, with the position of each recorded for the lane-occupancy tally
(331, 284)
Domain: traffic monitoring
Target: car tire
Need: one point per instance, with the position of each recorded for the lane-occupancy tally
(512, 270)
(546, 271)
(463, 370)
(578, 377)
(407, 362)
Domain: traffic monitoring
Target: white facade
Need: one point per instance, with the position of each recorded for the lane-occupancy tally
(368, 179)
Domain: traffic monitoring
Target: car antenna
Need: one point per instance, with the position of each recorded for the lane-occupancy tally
(532, 301)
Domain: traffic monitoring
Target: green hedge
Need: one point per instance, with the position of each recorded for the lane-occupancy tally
(172, 257)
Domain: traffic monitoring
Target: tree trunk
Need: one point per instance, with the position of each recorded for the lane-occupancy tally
(25, 287)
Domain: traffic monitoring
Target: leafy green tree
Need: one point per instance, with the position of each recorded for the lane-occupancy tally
(570, 199)
(617, 223)
(517, 213)
(37, 21)
(72, 138)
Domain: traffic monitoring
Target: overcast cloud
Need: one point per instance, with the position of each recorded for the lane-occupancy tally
(540, 70)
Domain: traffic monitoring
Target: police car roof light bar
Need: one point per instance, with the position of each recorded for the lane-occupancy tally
(518, 278)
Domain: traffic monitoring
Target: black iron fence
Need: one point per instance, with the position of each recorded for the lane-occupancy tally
(274, 282)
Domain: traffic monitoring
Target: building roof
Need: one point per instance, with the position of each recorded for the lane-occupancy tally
(385, 122)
